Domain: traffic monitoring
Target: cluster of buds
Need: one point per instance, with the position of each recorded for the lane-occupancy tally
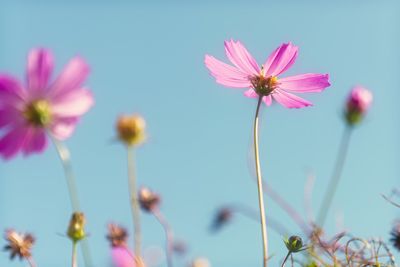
(117, 235)
(131, 129)
(76, 228)
(19, 244)
(357, 105)
(148, 200)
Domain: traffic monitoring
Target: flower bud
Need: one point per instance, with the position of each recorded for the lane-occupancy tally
(294, 243)
(357, 105)
(131, 129)
(76, 231)
(222, 217)
(117, 235)
(148, 200)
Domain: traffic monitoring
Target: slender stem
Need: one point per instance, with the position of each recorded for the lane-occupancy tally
(168, 233)
(30, 261)
(336, 175)
(74, 255)
(134, 202)
(286, 258)
(260, 186)
(65, 157)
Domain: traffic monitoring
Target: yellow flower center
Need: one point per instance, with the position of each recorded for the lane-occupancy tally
(264, 86)
(38, 113)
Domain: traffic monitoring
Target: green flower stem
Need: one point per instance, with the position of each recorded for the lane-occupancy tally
(74, 255)
(260, 186)
(286, 258)
(134, 201)
(336, 175)
(168, 233)
(64, 155)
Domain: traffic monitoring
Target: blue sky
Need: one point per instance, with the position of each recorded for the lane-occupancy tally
(148, 58)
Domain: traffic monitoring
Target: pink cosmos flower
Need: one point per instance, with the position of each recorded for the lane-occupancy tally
(263, 81)
(122, 257)
(359, 99)
(28, 112)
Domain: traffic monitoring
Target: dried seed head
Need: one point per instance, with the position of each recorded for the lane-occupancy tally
(18, 244)
(148, 200)
(76, 228)
(131, 129)
(117, 235)
(222, 217)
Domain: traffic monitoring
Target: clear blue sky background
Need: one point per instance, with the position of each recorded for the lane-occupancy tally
(148, 58)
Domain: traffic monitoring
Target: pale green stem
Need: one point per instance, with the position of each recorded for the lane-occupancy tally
(286, 258)
(74, 255)
(134, 202)
(65, 157)
(336, 175)
(260, 186)
(168, 234)
(30, 261)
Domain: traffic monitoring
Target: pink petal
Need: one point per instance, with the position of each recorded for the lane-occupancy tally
(72, 77)
(11, 92)
(64, 127)
(241, 58)
(40, 67)
(280, 60)
(35, 141)
(72, 104)
(290, 100)
(8, 116)
(251, 93)
(310, 82)
(121, 257)
(12, 141)
(267, 100)
(226, 74)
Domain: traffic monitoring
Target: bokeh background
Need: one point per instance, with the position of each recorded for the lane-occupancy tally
(147, 57)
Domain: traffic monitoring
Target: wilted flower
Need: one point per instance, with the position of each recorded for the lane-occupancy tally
(294, 243)
(395, 235)
(131, 129)
(18, 244)
(200, 262)
(28, 112)
(148, 200)
(357, 104)
(76, 228)
(223, 216)
(264, 82)
(117, 235)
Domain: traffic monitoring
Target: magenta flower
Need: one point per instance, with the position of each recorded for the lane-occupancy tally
(122, 257)
(263, 81)
(28, 113)
(359, 99)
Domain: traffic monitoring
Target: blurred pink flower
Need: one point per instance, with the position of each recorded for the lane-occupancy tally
(122, 257)
(263, 81)
(359, 99)
(28, 112)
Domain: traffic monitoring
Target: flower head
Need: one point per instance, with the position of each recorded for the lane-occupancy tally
(76, 228)
(18, 244)
(148, 200)
(122, 257)
(294, 243)
(358, 103)
(28, 112)
(131, 129)
(222, 217)
(117, 235)
(264, 81)
(200, 262)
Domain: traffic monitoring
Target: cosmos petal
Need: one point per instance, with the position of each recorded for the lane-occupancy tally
(280, 60)
(241, 58)
(305, 83)
(290, 100)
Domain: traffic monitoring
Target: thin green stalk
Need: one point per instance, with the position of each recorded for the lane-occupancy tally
(134, 202)
(286, 258)
(260, 186)
(336, 175)
(64, 155)
(168, 233)
(74, 255)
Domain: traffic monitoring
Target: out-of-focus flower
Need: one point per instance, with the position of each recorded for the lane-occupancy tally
(222, 217)
(76, 228)
(28, 112)
(180, 247)
(18, 244)
(148, 200)
(122, 257)
(357, 105)
(131, 129)
(117, 235)
(395, 235)
(200, 262)
(294, 243)
(263, 81)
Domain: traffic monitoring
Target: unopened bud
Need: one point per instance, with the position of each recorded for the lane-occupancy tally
(131, 129)
(357, 105)
(76, 228)
(148, 200)
(223, 216)
(294, 243)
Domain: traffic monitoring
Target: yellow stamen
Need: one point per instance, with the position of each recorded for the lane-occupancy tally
(38, 113)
